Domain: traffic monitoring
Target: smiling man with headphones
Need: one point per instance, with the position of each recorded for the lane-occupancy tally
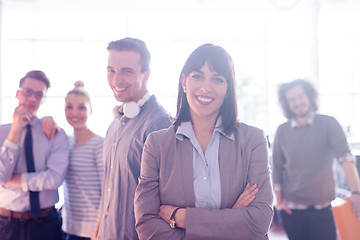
(138, 115)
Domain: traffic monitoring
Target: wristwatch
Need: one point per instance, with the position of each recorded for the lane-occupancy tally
(172, 218)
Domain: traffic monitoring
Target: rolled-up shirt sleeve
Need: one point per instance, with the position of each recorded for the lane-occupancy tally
(9, 151)
(347, 157)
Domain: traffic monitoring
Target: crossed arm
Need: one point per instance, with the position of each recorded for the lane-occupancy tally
(52, 177)
(245, 198)
(248, 217)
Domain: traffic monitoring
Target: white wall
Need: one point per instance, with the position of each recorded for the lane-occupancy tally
(269, 45)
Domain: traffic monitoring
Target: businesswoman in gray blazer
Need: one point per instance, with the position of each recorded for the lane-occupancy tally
(207, 176)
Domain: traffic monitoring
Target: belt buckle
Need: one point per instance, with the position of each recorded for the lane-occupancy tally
(45, 212)
(24, 216)
(49, 210)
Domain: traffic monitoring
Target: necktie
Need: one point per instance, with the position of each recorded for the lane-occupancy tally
(34, 196)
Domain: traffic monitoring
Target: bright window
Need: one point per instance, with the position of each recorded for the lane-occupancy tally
(268, 45)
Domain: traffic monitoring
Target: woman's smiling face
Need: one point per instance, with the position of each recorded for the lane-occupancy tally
(205, 92)
(77, 110)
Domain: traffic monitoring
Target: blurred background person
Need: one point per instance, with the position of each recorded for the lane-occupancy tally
(82, 185)
(32, 167)
(304, 150)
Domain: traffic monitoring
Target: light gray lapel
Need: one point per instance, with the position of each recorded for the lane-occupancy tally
(186, 158)
(226, 164)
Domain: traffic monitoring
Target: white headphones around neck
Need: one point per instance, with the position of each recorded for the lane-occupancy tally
(132, 109)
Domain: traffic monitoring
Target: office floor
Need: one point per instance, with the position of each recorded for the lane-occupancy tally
(277, 233)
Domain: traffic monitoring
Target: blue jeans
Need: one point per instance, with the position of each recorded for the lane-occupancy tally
(74, 237)
(43, 228)
(309, 224)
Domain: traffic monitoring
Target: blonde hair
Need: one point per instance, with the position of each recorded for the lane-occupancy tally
(79, 90)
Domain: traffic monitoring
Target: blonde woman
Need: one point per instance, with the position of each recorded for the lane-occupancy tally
(82, 185)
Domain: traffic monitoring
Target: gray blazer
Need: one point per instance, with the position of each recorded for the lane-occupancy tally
(167, 178)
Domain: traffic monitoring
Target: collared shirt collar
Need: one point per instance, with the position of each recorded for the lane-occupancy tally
(310, 121)
(186, 129)
(34, 122)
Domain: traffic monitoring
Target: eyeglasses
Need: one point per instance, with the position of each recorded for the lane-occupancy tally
(28, 92)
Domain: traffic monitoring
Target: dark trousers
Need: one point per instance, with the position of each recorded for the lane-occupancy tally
(309, 224)
(43, 228)
(74, 237)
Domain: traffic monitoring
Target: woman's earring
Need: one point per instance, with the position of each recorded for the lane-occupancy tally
(184, 89)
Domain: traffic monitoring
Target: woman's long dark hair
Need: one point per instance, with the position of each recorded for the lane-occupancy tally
(219, 61)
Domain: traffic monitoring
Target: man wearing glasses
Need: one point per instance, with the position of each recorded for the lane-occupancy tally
(32, 167)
